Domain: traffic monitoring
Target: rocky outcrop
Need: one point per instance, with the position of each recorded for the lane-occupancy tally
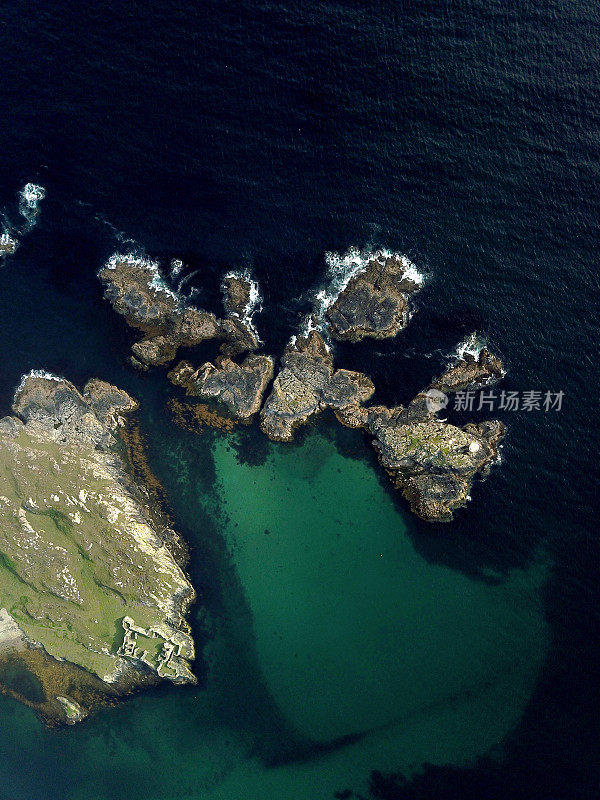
(374, 304)
(306, 385)
(471, 372)
(8, 245)
(433, 462)
(239, 387)
(81, 548)
(138, 291)
(237, 291)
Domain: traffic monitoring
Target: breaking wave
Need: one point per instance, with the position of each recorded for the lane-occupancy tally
(30, 198)
(340, 271)
(156, 278)
(176, 267)
(471, 345)
(37, 373)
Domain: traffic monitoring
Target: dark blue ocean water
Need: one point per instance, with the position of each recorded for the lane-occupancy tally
(464, 134)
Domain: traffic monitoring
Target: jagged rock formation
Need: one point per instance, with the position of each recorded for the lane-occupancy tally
(471, 372)
(432, 461)
(80, 548)
(374, 303)
(239, 387)
(307, 384)
(137, 291)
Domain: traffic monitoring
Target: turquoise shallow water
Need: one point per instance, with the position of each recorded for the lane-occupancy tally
(337, 648)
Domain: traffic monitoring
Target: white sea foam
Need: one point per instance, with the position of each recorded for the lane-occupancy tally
(119, 235)
(30, 197)
(37, 373)
(176, 267)
(186, 279)
(254, 304)
(472, 344)
(156, 279)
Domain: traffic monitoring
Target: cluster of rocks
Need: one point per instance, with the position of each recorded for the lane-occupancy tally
(137, 291)
(432, 461)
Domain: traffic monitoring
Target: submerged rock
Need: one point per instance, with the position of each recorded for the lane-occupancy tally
(239, 387)
(306, 385)
(374, 304)
(82, 551)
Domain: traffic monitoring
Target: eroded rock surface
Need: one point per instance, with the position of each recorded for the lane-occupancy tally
(471, 372)
(431, 460)
(306, 384)
(239, 387)
(138, 291)
(374, 304)
(80, 550)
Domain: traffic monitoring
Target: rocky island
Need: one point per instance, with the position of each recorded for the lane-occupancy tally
(374, 303)
(137, 290)
(93, 599)
(433, 462)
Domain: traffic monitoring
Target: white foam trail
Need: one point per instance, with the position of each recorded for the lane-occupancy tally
(37, 373)
(156, 279)
(473, 345)
(186, 279)
(30, 197)
(255, 299)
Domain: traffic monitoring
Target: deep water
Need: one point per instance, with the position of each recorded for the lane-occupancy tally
(351, 648)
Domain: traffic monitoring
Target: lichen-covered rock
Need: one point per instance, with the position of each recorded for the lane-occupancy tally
(432, 461)
(374, 304)
(239, 387)
(80, 549)
(307, 384)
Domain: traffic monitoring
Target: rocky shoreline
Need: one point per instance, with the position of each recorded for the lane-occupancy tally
(83, 551)
(433, 462)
